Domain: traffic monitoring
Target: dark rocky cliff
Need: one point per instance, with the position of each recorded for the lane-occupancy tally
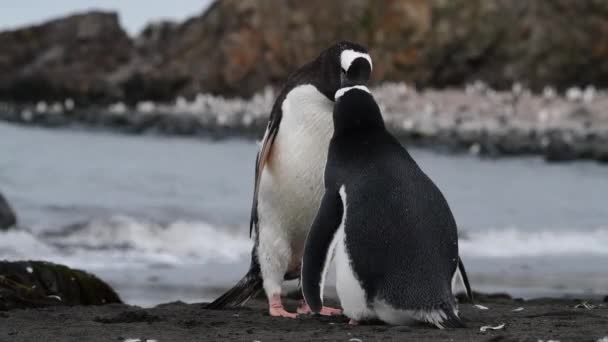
(69, 57)
(237, 47)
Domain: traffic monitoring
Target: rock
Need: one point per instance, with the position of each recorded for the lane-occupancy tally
(236, 47)
(8, 218)
(502, 42)
(560, 150)
(25, 284)
(71, 57)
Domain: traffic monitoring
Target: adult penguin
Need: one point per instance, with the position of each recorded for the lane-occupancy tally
(394, 235)
(289, 174)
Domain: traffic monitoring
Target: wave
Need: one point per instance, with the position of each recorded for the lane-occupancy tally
(124, 242)
(517, 243)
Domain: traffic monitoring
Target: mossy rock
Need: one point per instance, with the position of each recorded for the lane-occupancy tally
(26, 284)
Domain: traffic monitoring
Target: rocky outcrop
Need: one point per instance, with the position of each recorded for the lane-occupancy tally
(536, 42)
(236, 47)
(25, 284)
(8, 218)
(70, 57)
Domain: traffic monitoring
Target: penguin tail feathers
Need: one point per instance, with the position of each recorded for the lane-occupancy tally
(444, 316)
(249, 286)
(450, 320)
(465, 281)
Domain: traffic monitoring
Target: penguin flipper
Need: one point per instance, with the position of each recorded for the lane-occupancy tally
(465, 279)
(262, 158)
(319, 245)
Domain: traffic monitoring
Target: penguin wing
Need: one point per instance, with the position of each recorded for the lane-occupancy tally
(262, 158)
(319, 245)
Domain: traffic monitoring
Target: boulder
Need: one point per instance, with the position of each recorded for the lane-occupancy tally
(25, 284)
(8, 218)
(70, 57)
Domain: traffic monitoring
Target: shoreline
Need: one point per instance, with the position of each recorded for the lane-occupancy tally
(532, 320)
(477, 119)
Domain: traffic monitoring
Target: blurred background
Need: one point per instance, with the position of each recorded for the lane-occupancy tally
(128, 131)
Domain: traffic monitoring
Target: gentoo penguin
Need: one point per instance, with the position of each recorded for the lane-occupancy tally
(289, 173)
(394, 236)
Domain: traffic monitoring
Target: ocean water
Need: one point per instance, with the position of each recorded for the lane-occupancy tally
(164, 218)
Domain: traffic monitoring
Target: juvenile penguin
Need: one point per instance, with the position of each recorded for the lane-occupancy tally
(394, 236)
(289, 174)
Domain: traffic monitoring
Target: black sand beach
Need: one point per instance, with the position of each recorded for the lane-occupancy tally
(534, 320)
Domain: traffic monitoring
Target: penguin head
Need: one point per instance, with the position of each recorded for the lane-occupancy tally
(356, 110)
(355, 64)
(344, 64)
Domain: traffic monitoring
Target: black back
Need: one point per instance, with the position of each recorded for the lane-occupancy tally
(400, 231)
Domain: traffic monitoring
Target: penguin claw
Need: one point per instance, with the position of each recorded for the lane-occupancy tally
(304, 309)
(280, 312)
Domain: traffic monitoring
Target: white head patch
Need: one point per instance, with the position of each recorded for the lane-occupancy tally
(348, 56)
(344, 90)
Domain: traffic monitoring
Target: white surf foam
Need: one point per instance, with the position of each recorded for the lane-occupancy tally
(517, 243)
(181, 238)
(22, 245)
(123, 242)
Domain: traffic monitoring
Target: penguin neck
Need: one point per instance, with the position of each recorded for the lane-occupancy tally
(357, 122)
(321, 74)
(357, 115)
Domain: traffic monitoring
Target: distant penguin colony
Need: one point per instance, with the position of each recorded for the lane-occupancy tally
(393, 234)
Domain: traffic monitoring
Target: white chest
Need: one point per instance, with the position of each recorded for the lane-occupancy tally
(305, 131)
(292, 182)
(352, 296)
